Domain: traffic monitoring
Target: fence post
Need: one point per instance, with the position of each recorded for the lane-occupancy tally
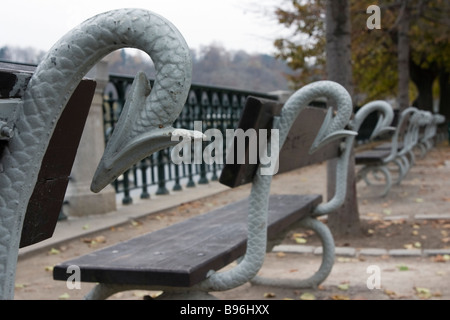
(143, 167)
(81, 200)
(161, 174)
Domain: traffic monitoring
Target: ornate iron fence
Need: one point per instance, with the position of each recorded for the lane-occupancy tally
(215, 107)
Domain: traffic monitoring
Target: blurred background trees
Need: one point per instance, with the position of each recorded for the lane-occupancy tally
(411, 49)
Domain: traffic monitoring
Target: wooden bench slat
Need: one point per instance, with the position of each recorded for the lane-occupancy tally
(388, 146)
(371, 156)
(14, 79)
(294, 154)
(48, 195)
(182, 254)
(295, 151)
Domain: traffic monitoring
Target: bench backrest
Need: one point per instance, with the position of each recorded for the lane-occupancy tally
(259, 113)
(46, 201)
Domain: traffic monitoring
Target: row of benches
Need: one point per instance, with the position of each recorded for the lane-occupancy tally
(185, 257)
(185, 260)
(415, 132)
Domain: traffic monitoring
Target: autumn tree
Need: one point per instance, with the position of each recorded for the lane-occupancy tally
(320, 47)
(304, 48)
(412, 46)
(410, 52)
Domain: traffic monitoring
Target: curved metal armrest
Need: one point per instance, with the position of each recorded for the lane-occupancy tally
(385, 118)
(383, 125)
(332, 128)
(399, 131)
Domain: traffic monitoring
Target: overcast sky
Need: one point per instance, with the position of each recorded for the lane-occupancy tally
(234, 24)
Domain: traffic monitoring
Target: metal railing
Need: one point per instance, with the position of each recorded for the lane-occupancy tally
(215, 107)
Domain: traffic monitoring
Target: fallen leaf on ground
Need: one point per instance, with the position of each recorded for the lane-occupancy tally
(390, 293)
(343, 286)
(100, 239)
(441, 258)
(437, 294)
(269, 295)
(423, 293)
(135, 223)
(307, 296)
(300, 240)
(402, 267)
(343, 259)
(64, 296)
(54, 251)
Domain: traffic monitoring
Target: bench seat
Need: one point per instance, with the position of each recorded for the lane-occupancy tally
(182, 254)
(373, 156)
(388, 146)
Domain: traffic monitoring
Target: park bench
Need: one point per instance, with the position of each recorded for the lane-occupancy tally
(396, 151)
(430, 135)
(184, 260)
(416, 129)
(44, 206)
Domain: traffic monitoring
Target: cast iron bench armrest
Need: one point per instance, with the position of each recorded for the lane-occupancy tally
(398, 151)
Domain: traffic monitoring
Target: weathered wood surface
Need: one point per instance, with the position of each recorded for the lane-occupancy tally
(14, 79)
(371, 156)
(48, 196)
(182, 254)
(294, 153)
(46, 201)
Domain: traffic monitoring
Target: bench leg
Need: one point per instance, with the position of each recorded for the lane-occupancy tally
(383, 169)
(423, 148)
(325, 268)
(404, 165)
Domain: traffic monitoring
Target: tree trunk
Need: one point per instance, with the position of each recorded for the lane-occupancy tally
(423, 79)
(444, 95)
(345, 220)
(403, 57)
(338, 46)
